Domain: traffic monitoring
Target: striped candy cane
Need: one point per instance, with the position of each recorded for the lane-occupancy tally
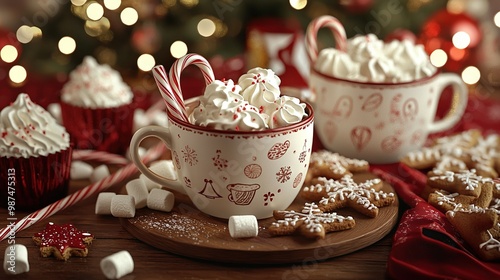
(122, 174)
(100, 156)
(185, 61)
(174, 101)
(312, 32)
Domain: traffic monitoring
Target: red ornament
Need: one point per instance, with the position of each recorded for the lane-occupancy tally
(438, 32)
(401, 34)
(357, 6)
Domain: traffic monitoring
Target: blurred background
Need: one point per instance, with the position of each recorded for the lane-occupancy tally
(41, 41)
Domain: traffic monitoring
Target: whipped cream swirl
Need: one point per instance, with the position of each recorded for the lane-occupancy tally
(369, 59)
(92, 85)
(260, 87)
(27, 130)
(223, 108)
(252, 104)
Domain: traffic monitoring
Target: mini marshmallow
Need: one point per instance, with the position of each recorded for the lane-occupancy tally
(140, 120)
(161, 200)
(138, 190)
(80, 170)
(243, 226)
(117, 265)
(99, 173)
(150, 185)
(55, 110)
(15, 259)
(103, 203)
(123, 206)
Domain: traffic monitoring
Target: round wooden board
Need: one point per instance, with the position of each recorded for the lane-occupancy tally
(188, 232)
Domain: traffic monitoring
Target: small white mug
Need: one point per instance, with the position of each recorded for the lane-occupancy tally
(228, 173)
(381, 123)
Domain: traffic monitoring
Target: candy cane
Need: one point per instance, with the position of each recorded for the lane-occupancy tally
(182, 63)
(119, 176)
(99, 156)
(312, 32)
(173, 100)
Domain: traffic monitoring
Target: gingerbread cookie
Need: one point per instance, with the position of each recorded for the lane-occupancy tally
(445, 201)
(480, 228)
(332, 165)
(311, 222)
(465, 182)
(62, 241)
(362, 197)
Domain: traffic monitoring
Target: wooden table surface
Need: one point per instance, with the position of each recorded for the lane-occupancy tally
(152, 263)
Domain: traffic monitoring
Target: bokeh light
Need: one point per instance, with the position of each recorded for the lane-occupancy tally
(129, 16)
(112, 4)
(146, 62)
(471, 75)
(206, 27)
(461, 40)
(178, 49)
(17, 74)
(8, 53)
(97, 28)
(78, 3)
(24, 34)
(438, 58)
(95, 11)
(298, 4)
(67, 45)
(496, 19)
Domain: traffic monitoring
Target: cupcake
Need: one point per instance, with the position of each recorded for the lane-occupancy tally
(35, 155)
(96, 108)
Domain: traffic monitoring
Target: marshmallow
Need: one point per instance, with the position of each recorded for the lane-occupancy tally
(117, 265)
(138, 190)
(140, 120)
(55, 110)
(123, 206)
(150, 185)
(103, 203)
(161, 200)
(80, 170)
(243, 226)
(15, 260)
(99, 173)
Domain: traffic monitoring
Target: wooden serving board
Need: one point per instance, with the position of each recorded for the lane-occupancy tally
(188, 232)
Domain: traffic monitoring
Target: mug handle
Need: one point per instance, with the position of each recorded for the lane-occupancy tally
(458, 103)
(164, 135)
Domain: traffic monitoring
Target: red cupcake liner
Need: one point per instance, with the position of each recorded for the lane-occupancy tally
(37, 181)
(103, 129)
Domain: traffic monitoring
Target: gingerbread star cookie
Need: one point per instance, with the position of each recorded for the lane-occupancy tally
(362, 197)
(311, 222)
(332, 165)
(62, 241)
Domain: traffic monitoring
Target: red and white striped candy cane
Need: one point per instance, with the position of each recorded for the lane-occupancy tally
(185, 61)
(99, 156)
(120, 175)
(312, 32)
(174, 102)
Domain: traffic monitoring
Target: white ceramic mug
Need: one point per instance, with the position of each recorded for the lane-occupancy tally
(229, 173)
(382, 122)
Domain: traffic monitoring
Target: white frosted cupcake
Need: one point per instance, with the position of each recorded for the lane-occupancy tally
(35, 154)
(96, 107)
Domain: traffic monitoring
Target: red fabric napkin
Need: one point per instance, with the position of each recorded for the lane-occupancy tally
(425, 245)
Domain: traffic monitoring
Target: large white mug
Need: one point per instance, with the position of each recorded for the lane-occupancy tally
(378, 122)
(227, 173)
